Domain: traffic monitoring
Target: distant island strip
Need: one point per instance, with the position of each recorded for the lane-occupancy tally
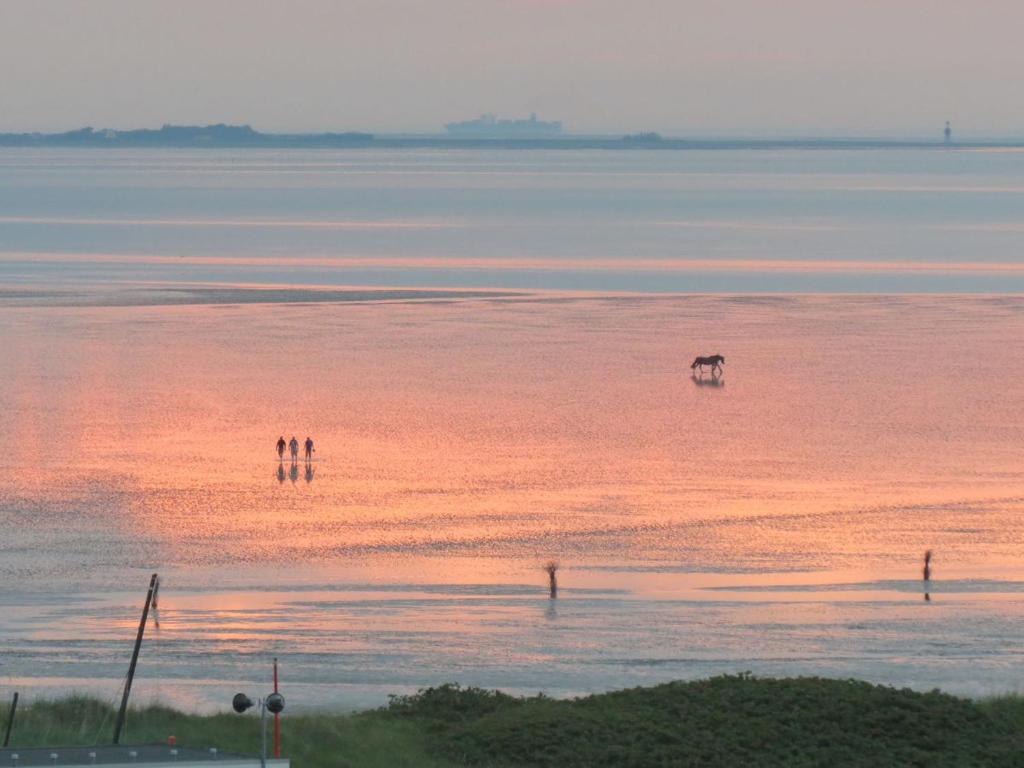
(486, 133)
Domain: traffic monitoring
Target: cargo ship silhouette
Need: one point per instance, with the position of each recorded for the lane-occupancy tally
(488, 126)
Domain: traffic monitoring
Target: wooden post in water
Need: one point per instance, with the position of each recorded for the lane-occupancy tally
(10, 719)
(552, 570)
(154, 582)
(277, 719)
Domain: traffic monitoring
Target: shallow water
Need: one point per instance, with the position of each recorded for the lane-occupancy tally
(491, 351)
(696, 221)
(771, 520)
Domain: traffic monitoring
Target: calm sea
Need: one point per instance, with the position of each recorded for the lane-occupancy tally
(491, 351)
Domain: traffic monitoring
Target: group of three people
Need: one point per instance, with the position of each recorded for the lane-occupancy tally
(293, 446)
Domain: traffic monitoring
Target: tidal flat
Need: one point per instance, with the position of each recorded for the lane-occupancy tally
(770, 519)
(491, 351)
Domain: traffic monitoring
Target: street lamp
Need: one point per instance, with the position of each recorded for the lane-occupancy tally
(274, 703)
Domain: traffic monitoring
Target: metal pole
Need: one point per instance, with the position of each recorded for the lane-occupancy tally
(119, 725)
(277, 719)
(263, 733)
(10, 719)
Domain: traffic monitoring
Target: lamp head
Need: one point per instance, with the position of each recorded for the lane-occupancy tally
(241, 702)
(275, 703)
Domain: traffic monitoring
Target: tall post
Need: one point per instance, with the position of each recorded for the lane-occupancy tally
(10, 719)
(277, 719)
(263, 733)
(119, 725)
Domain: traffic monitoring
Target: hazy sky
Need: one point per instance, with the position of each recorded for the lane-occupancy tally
(848, 67)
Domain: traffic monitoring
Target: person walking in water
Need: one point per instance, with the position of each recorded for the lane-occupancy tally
(280, 447)
(309, 448)
(293, 446)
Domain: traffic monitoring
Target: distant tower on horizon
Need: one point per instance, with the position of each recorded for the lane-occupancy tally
(948, 132)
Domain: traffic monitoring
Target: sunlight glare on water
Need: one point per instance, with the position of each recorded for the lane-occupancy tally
(771, 519)
(491, 350)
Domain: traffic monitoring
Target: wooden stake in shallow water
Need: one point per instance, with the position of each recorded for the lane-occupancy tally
(10, 719)
(552, 571)
(154, 585)
(277, 718)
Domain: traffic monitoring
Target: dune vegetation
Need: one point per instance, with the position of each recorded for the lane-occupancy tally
(724, 721)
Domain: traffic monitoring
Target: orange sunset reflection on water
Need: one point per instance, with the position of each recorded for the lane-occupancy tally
(461, 444)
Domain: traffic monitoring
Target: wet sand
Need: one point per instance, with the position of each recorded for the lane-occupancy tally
(170, 295)
(770, 520)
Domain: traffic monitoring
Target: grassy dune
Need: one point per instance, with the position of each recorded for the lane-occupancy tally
(724, 721)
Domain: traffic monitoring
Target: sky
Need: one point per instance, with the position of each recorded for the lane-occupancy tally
(680, 67)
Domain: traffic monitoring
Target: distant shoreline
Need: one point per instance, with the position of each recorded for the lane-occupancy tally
(245, 137)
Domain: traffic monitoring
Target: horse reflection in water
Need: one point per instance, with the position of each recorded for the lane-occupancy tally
(712, 361)
(714, 381)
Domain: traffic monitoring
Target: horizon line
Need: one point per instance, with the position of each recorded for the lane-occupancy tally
(881, 135)
(241, 136)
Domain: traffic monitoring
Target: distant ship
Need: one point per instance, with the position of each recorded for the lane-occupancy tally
(490, 127)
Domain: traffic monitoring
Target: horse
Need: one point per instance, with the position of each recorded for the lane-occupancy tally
(715, 361)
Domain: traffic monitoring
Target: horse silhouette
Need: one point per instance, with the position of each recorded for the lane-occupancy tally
(715, 361)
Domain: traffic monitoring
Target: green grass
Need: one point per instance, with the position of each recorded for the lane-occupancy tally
(724, 721)
(310, 740)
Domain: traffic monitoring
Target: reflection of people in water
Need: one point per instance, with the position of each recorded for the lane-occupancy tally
(280, 447)
(293, 446)
(293, 473)
(309, 448)
(280, 472)
(309, 472)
